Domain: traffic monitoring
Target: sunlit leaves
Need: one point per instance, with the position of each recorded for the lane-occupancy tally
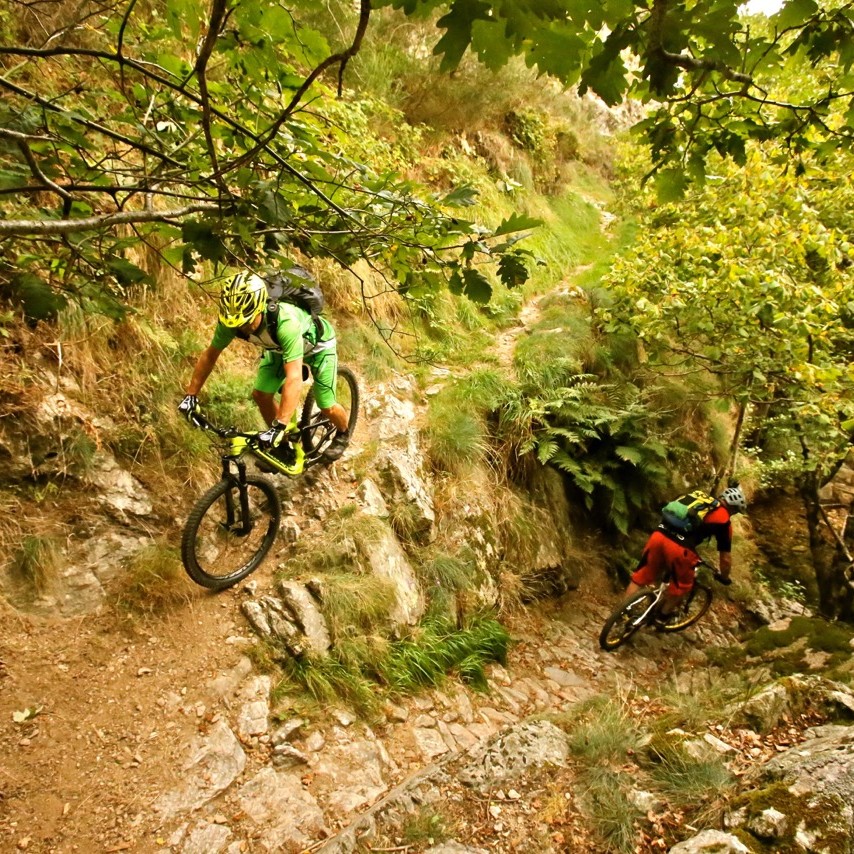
(710, 66)
(747, 284)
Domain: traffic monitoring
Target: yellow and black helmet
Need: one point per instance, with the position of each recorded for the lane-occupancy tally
(242, 297)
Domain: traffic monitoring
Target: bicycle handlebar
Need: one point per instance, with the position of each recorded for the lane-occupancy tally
(199, 420)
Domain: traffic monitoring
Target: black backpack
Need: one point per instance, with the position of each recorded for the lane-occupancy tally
(298, 287)
(684, 515)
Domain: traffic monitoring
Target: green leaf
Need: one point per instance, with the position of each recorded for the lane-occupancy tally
(516, 222)
(458, 30)
(36, 297)
(476, 286)
(794, 12)
(630, 455)
(670, 185)
(204, 240)
(464, 196)
(125, 272)
(512, 270)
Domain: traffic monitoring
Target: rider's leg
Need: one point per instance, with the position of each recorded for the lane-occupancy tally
(268, 381)
(682, 561)
(338, 416)
(324, 369)
(649, 568)
(266, 404)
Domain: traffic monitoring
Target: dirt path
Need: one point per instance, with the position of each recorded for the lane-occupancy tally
(117, 709)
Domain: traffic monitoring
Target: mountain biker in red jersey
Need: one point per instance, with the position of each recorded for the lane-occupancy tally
(668, 552)
(242, 306)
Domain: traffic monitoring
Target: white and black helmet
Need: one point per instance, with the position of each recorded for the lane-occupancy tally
(734, 499)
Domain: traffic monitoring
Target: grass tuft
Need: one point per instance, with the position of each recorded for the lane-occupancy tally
(601, 730)
(437, 649)
(613, 814)
(153, 583)
(35, 563)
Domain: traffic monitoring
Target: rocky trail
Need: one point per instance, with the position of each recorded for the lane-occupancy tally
(159, 736)
(162, 740)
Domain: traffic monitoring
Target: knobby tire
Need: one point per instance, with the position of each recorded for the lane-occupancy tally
(196, 555)
(315, 437)
(617, 630)
(696, 603)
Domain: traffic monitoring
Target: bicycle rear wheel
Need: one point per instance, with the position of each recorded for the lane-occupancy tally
(221, 543)
(625, 621)
(316, 429)
(691, 609)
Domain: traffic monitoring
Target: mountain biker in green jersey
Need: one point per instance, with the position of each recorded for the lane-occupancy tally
(301, 339)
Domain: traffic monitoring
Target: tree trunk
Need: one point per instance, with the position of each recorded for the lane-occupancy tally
(729, 469)
(826, 576)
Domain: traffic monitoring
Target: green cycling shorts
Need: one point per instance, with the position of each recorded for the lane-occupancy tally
(323, 367)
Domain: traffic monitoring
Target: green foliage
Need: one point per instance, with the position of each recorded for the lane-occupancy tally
(424, 660)
(227, 401)
(456, 434)
(768, 326)
(601, 730)
(328, 680)
(604, 794)
(721, 80)
(607, 440)
(426, 826)
(355, 665)
(244, 171)
(688, 781)
(819, 635)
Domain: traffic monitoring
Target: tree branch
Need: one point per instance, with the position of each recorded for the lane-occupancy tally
(341, 58)
(44, 228)
(37, 172)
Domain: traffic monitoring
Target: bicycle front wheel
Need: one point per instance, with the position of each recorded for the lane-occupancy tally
(225, 537)
(691, 609)
(317, 430)
(626, 620)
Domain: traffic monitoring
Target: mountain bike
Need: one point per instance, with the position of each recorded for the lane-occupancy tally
(234, 524)
(642, 609)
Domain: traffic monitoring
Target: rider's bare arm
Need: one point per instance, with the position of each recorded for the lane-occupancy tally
(204, 366)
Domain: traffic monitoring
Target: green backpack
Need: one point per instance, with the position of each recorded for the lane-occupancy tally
(685, 514)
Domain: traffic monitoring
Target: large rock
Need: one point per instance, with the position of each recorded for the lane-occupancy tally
(285, 815)
(406, 488)
(118, 490)
(711, 842)
(253, 719)
(386, 559)
(514, 753)
(215, 762)
(307, 615)
(789, 697)
(351, 773)
(803, 800)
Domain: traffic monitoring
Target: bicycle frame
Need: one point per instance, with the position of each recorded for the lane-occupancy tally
(240, 444)
(659, 591)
